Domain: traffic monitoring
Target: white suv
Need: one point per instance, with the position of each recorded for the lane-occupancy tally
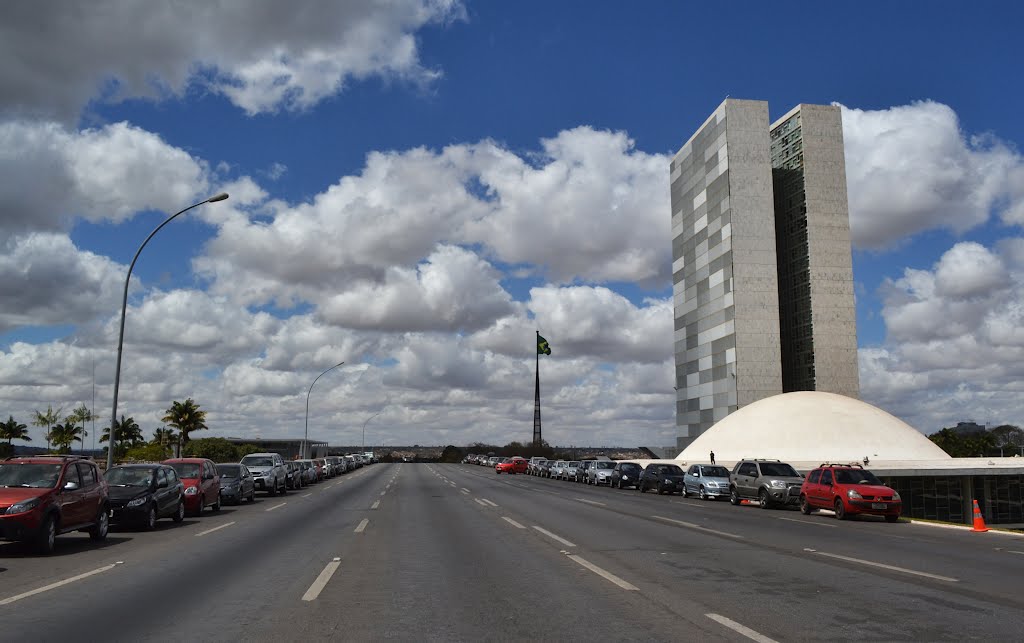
(268, 472)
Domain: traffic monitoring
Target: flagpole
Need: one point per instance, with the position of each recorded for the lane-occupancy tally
(536, 397)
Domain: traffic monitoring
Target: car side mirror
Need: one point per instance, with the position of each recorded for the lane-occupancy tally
(70, 486)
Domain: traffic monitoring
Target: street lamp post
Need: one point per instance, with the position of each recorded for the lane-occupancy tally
(124, 307)
(364, 428)
(305, 440)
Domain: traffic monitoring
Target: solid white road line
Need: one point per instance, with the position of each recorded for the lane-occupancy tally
(806, 522)
(554, 537)
(362, 525)
(489, 502)
(740, 629)
(512, 522)
(376, 503)
(210, 531)
(883, 566)
(603, 573)
(275, 507)
(690, 525)
(591, 502)
(480, 502)
(61, 583)
(321, 580)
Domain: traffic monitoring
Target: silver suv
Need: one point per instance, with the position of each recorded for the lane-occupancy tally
(771, 482)
(268, 472)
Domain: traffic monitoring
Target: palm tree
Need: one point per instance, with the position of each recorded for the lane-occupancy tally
(186, 417)
(164, 436)
(47, 419)
(13, 430)
(128, 434)
(83, 415)
(64, 435)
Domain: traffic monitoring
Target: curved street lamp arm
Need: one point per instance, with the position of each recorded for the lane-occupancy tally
(305, 445)
(124, 308)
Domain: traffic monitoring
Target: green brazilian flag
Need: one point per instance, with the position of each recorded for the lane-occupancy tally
(542, 346)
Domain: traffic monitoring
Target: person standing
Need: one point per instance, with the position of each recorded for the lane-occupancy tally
(712, 457)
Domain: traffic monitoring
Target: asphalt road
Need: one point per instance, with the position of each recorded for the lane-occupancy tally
(457, 553)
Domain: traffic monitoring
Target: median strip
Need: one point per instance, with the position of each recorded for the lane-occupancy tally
(275, 507)
(362, 525)
(740, 629)
(690, 525)
(321, 580)
(61, 583)
(218, 527)
(902, 570)
(554, 536)
(607, 575)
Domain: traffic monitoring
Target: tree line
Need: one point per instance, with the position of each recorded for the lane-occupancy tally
(1003, 440)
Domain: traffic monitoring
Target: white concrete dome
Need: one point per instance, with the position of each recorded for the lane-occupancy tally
(808, 426)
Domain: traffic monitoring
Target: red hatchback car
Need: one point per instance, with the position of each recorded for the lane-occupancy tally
(202, 483)
(43, 496)
(848, 490)
(511, 465)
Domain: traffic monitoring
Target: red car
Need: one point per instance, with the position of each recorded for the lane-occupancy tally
(202, 483)
(511, 465)
(43, 496)
(848, 489)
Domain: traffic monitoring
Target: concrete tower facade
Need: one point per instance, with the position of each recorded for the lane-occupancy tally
(762, 269)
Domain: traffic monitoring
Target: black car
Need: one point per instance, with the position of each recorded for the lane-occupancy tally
(666, 478)
(626, 474)
(236, 482)
(141, 494)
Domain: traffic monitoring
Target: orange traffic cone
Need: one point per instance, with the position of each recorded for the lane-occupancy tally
(979, 522)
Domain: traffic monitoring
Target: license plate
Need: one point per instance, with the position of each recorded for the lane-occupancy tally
(878, 505)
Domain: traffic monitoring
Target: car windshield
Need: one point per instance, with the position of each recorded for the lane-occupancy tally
(39, 476)
(605, 465)
(670, 470)
(229, 470)
(714, 472)
(856, 476)
(186, 469)
(129, 476)
(250, 461)
(778, 469)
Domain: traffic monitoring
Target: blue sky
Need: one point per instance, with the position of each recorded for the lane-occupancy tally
(439, 179)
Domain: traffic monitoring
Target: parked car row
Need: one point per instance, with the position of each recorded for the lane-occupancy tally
(42, 497)
(845, 489)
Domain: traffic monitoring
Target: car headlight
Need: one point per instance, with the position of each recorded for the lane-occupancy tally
(191, 491)
(896, 495)
(778, 484)
(24, 505)
(141, 500)
(625, 477)
(853, 495)
(713, 485)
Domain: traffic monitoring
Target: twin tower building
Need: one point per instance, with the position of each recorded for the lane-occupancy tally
(762, 266)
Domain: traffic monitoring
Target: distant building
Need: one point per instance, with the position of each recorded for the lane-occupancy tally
(762, 268)
(969, 428)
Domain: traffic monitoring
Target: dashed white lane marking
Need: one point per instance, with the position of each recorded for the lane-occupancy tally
(465, 489)
(218, 527)
(607, 575)
(275, 507)
(362, 525)
(903, 570)
(554, 536)
(307, 495)
(376, 503)
(489, 502)
(806, 522)
(512, 522)
(690, 525)
(60, 583)
(383, 492)
(453, 484)
(740, 629)
(591, 502)
(321, 580)
(480, 502)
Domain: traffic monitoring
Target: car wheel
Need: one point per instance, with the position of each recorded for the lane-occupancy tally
(216, 505)
(179, 515)
(150, 523)
(892, 518)
(252, 495)
(273, 490)
(641, 487)
(284, 489)
(99, 530)
(47, 537)
(805, 507)
(763, 500)
(703, 494)
(840, 509)
(734, 497)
